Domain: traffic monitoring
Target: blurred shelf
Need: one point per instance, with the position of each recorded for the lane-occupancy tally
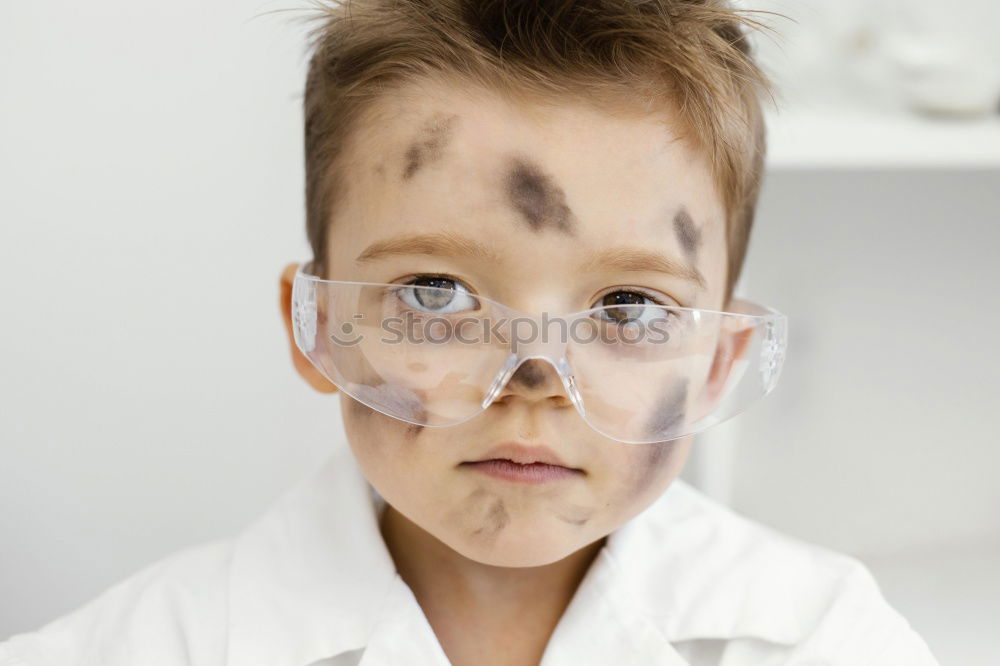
(855, 139)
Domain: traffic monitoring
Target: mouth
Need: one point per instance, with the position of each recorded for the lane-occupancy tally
(524, 464)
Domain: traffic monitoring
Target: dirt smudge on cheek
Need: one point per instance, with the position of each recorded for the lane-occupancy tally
(670, 411)
(650, 461)
(643, 467)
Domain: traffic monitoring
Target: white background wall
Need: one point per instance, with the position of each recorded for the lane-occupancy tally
(881, 438)
(151, 192)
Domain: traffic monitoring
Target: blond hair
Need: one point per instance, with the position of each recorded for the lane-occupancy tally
(691, 55)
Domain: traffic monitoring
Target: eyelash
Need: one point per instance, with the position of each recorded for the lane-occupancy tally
(637, 290)
(642, 292)
(413, 279)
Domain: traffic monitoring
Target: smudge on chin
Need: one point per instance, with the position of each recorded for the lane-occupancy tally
(482, 515)
(496, 519)
(576, 515)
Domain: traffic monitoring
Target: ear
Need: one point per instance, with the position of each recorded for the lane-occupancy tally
(304, 367)
(732, 347)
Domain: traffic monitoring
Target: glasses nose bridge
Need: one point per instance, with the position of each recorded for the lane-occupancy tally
(554, 354)
(544, 337)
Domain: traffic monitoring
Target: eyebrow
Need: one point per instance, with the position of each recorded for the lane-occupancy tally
(639, 260)
(625, 259)
(438, 244)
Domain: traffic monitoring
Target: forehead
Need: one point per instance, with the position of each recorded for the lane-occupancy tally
(524, 177)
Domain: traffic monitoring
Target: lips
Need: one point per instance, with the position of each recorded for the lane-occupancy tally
(531, 473)
(523, 455)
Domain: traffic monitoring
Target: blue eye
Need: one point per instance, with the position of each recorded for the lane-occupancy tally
(437, 295)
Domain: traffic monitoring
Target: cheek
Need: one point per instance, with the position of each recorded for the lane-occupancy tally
(379, 442)
(630, 478)
(362, 420)
(649, 468)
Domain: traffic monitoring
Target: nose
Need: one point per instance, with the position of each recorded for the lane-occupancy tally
(535, 379)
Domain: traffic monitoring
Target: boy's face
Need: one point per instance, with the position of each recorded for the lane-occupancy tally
(545, 189)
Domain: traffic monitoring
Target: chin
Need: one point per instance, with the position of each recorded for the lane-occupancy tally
(537, 548)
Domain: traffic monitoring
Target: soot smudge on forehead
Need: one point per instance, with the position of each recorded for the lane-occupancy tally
(688, 234)
(537, 197)
(430, 145)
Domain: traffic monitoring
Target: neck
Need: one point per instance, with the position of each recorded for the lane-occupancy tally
(451, 588)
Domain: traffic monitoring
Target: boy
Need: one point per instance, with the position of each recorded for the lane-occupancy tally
(510, 498)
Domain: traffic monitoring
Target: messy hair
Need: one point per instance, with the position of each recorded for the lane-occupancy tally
(691, 56)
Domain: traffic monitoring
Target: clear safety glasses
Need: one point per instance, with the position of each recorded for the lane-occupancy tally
(438, 356)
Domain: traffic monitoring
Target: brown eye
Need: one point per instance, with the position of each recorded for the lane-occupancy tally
(625, 298)
(616, 306)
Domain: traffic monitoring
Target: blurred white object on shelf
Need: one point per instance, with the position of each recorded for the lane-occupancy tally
(946, 57)
(881, 83)
(808, 137)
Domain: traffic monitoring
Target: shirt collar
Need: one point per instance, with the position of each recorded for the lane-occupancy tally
(697, 570)
(309, 577)
(312, 578)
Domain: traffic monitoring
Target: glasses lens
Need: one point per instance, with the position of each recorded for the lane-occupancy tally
(419, 352)
(649, 373)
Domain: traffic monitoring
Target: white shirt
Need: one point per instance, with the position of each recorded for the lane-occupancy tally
(311, 583)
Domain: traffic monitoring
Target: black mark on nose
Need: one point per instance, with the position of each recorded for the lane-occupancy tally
(531, 374)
